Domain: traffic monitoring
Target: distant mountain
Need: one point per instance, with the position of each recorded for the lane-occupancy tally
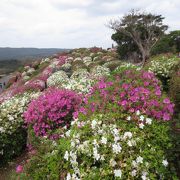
(27, 53)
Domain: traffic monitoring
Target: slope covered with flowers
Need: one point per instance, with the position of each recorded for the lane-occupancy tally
(89, 116)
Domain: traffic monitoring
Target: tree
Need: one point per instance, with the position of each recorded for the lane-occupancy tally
(144, 29)
(127, 48)
(168, 43)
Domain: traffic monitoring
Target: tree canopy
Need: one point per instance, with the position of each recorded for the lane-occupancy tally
(138, 31)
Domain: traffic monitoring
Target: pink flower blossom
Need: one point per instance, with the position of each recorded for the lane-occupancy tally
(19, 169)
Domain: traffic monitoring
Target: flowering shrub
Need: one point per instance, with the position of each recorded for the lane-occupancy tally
(57, 79)
(51, 110)
(112, 64)
(80, 73)
(174, 89)
(126, 66)
(163, 66)
(109, 147)
(80, 85)
(100, 71)
(12, 135)
(131, 91)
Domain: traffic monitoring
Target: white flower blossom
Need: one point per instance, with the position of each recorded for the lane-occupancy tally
(117, 173)
(141, 125)
(66, 156)
(104, 140)
(129, 118)
(112, 162)
(149, 121)
(139, 159)
(165, 162)
(93, 124)
(141, 118)
(137, 112)
(116, 148)
(133, 173)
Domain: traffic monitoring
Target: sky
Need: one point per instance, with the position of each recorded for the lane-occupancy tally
(72, 23)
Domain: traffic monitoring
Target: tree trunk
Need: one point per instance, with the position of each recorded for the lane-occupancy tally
(145, 56)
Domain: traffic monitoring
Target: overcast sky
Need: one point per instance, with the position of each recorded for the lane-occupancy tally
(72, 23)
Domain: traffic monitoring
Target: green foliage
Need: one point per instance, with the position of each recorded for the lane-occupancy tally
(12, 134)
(126, 46)
(163, 66)
(168, 43)
(137, 32)
(174, 88)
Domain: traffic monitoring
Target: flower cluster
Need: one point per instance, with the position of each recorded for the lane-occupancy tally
(101, 146)
(128, 92)
(100, 71)
(51, 110)
(79, 81)
(11, 122)
(57, 79)
(163, 66)
(126, 66)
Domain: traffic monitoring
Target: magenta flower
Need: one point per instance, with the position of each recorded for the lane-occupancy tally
(54, 109)
(128, 92)
(19, 169)
(166, 101)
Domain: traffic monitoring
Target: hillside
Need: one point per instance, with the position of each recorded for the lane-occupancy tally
(90, 115)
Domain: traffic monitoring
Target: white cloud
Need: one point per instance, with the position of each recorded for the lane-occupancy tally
(70, 23)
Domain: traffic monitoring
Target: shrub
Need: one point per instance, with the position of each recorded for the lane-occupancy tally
(51, 111)
(162, 66)
(112, 64)
(110, 147)
(12, 133)
(57, 79)
(100, 71)
(174, 89)
(131, 90)
(125, 66)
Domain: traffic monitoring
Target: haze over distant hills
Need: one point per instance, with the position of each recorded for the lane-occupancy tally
(13, 58)
(24, 53)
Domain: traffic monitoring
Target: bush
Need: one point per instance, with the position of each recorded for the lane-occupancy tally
(51, 111)
(57, 79)
(126, 66)
(174, 90)
(110, 147)
(100, 71)
(131, 90)
(12, 133)
(162, 66)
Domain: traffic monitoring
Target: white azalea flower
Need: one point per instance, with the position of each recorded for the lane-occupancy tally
(93, 124)
(127, 134)
(141, 118)
(139, 159)
(129, 118)
(133, 173)
(137, 112)
(165, 162)
(116, 148)
(149, 121)
(117, 173)
(112, 162)
(144, 176)
(141, 125)
(66, 156)
(68, 177)
(104, 140)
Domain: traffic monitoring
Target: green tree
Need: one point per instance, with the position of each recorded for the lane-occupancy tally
(168, 43)
(144, 29)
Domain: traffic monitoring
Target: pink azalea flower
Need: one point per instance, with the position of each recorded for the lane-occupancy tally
(19, 169)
